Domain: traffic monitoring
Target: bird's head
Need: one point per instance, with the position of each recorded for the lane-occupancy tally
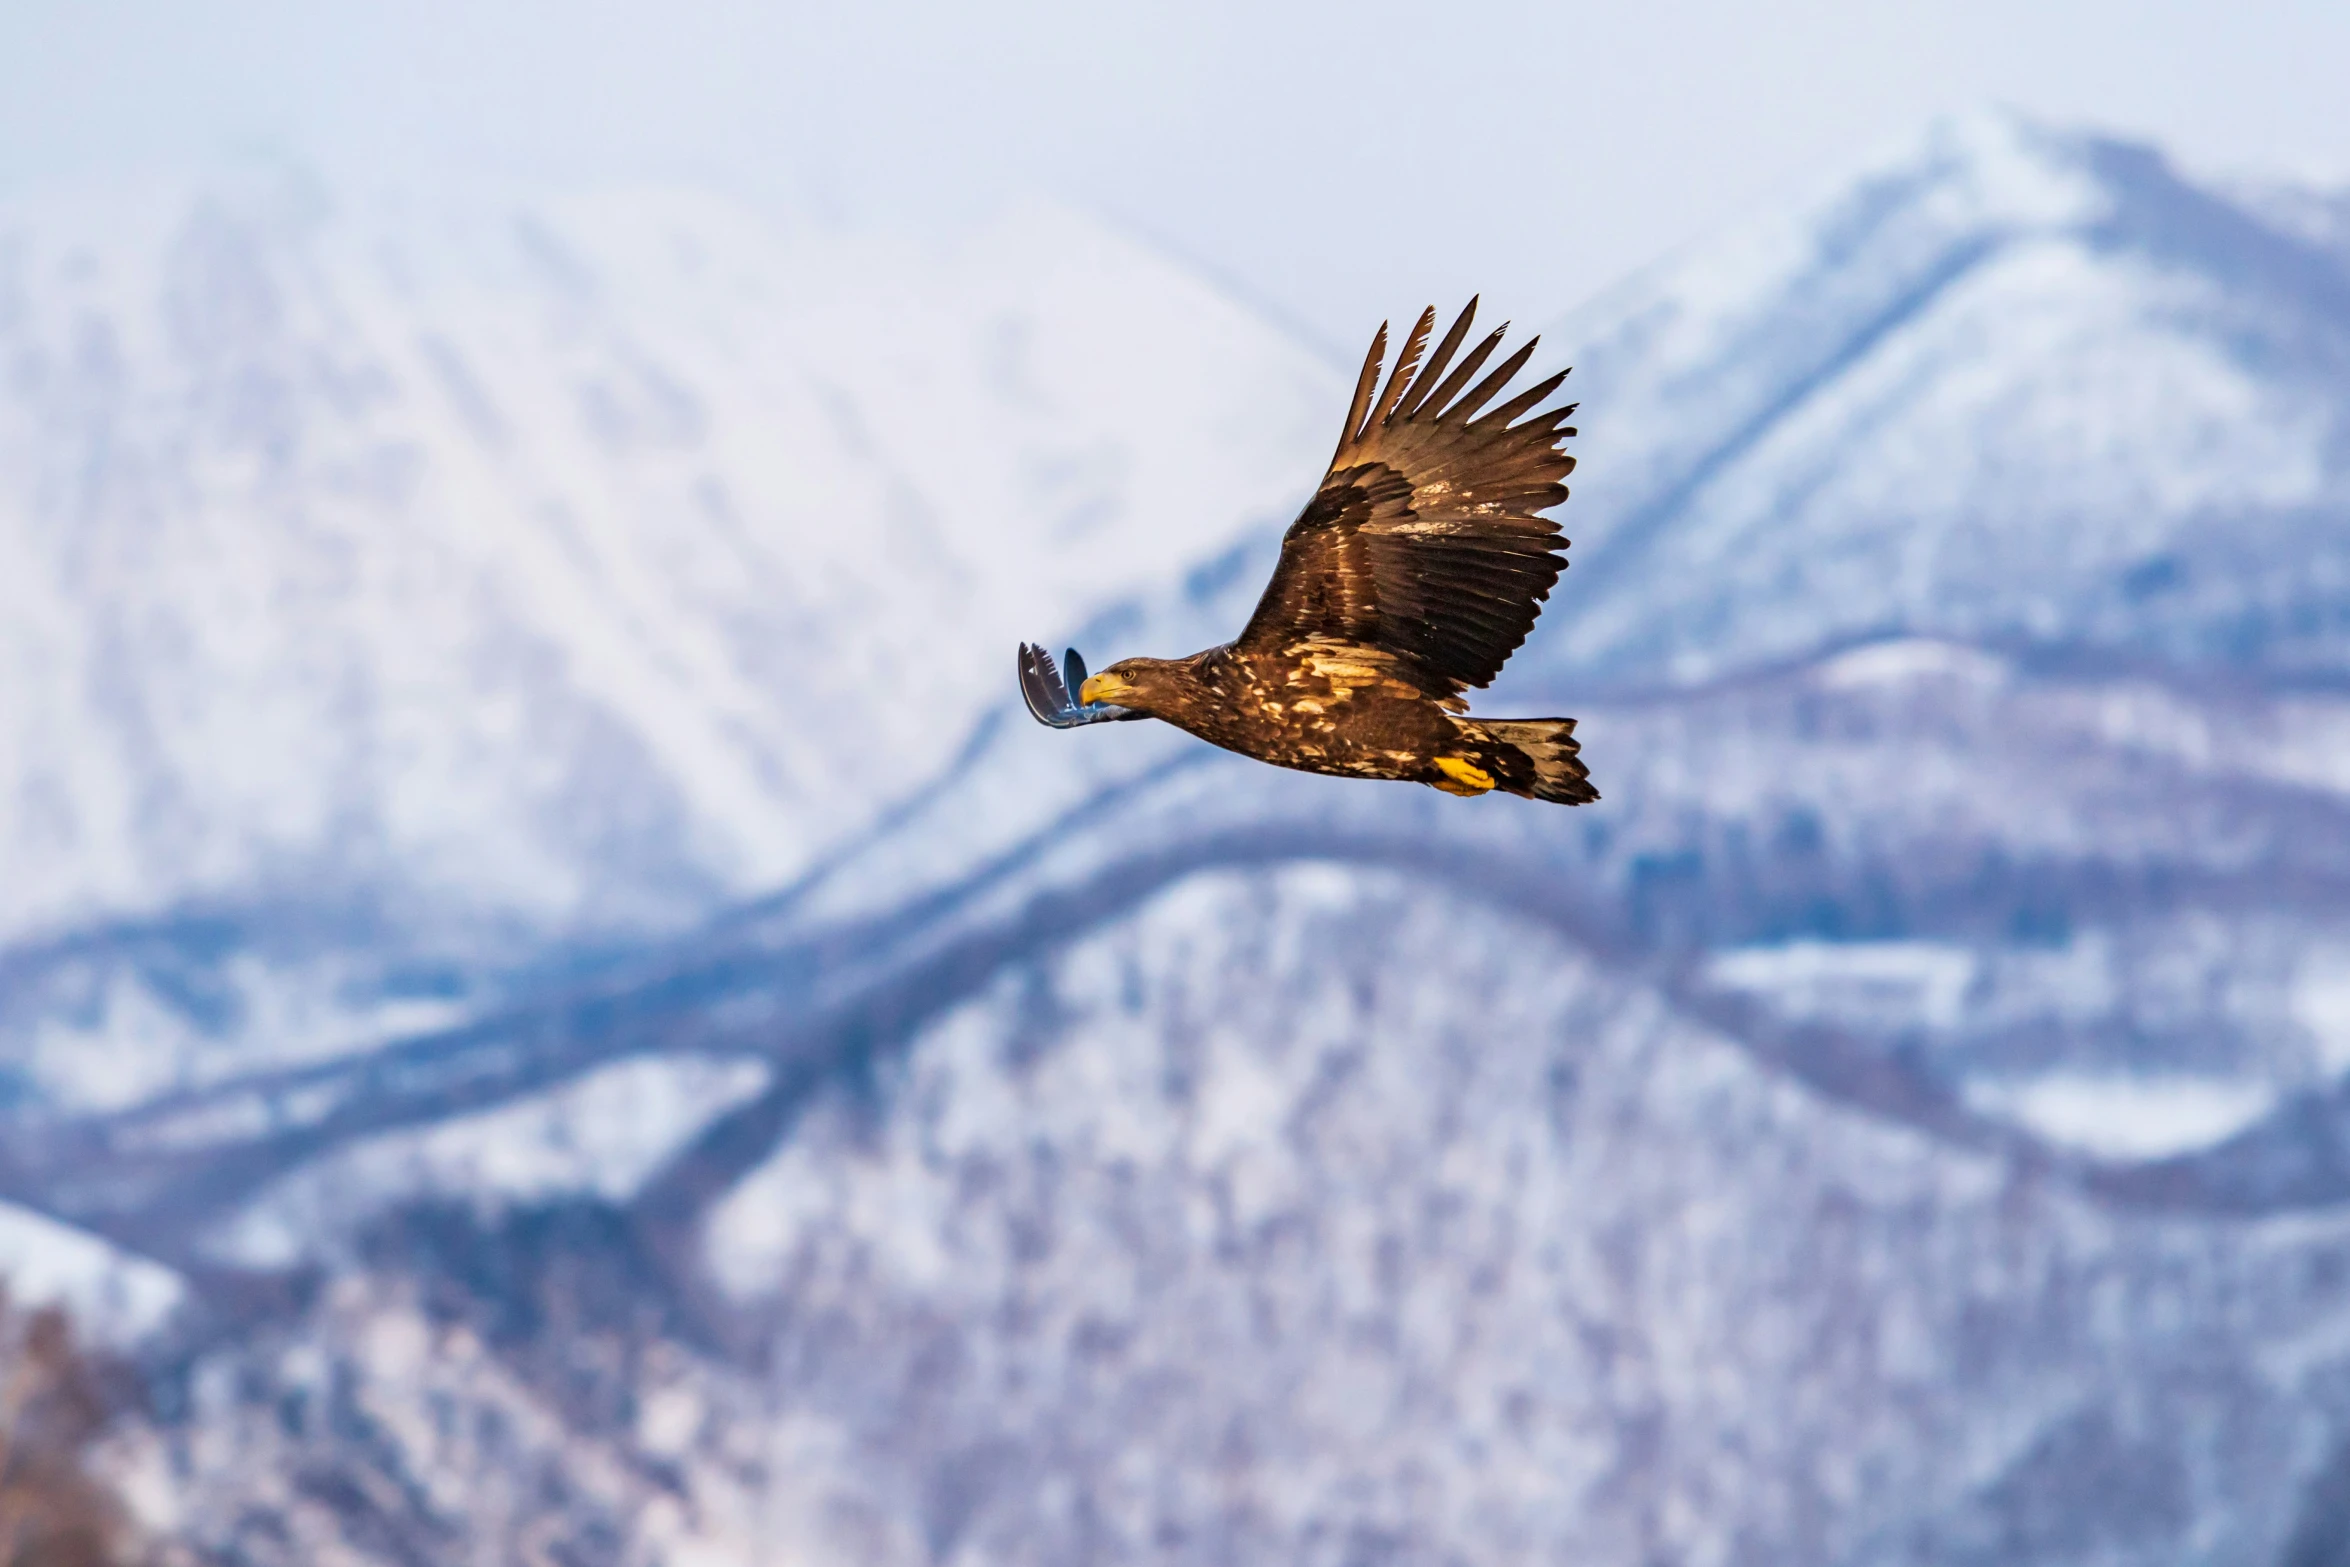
(1139, 683)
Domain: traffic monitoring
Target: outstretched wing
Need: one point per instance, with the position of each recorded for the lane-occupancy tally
(1426, 537)
(1047, 689)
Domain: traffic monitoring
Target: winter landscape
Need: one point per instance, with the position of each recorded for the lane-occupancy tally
(553, 1007)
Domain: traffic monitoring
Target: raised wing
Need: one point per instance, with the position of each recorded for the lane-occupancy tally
(1426, 537)
(1047, 691)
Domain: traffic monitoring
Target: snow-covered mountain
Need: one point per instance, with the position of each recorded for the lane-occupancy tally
(568, 556)
(1908, 1120)
(2009, 385)
(399, 589)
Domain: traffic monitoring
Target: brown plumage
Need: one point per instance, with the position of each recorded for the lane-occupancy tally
(1415, 571)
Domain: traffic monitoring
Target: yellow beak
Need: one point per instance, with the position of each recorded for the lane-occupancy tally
(1103, 687)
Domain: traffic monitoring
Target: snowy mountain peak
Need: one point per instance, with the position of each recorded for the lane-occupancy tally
(587, 559)
(2007, 383)
(1990, 165)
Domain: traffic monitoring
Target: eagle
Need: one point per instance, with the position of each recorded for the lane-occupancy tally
(1412, 575)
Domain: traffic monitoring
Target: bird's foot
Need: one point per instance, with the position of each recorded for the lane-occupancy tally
(1467, 778)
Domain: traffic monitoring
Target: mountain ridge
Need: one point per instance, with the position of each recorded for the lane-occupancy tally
(2026, 218)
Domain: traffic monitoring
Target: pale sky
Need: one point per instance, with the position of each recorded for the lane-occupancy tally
(1334, 163)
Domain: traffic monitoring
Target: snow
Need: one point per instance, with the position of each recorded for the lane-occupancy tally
(114, 1297)
(541, 555)
(1501, 1196)
(1977, 394)
(2321, 1005)
(1888, 983)
(119, 1040)
(2132, 1117)
(602, 1134)
(1906, 660)
(2309, 745)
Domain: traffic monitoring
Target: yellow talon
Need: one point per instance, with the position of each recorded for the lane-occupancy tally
(1467, 777)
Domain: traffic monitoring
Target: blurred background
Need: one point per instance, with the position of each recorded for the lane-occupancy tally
(553, 1008)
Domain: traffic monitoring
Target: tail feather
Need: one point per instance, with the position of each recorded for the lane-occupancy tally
(1534, 757)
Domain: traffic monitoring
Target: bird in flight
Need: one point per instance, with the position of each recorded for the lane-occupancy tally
(1412, 575)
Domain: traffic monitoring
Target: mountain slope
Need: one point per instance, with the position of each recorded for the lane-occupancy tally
(1293, 1215)
(584, 561)
(2011, 384)
(406, 590)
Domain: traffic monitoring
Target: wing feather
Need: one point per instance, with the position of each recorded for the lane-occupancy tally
(1508, 412)
(1443, 395)
(1358, 412)
(1405, 363)
(1439, 359)
(1466, 409)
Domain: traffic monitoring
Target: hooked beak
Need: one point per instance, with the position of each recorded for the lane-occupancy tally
(1103, 687)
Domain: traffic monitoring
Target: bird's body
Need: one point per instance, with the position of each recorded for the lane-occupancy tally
(1320, 707)
(1326, 707)
(1414, 572)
